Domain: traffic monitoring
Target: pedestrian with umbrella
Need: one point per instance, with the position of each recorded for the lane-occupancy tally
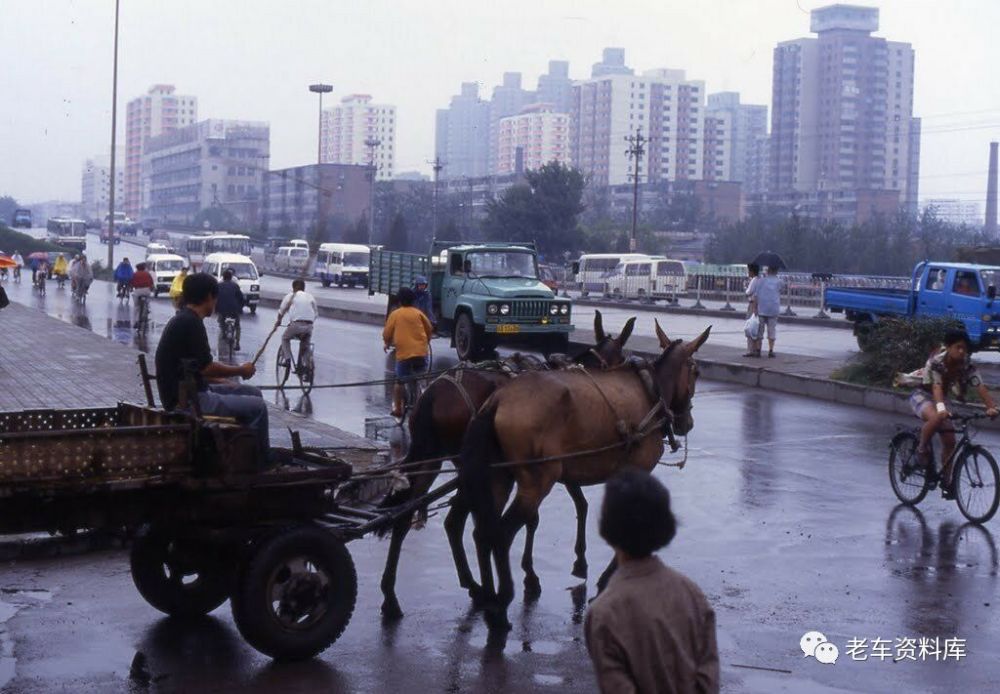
(767, 300)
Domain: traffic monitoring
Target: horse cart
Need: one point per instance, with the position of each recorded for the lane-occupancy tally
(209, 517)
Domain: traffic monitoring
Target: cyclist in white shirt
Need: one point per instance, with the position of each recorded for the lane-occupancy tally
(300, 306)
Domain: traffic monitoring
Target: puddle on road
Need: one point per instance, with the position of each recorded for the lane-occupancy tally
(549, 680)
(12, 600)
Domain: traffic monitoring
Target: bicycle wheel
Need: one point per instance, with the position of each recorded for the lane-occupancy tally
(307, 369)
(282, 368)
(907, 474)
(976, 484)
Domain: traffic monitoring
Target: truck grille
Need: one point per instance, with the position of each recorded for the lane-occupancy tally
(530, 309)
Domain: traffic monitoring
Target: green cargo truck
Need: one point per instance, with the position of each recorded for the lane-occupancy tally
(484, 295)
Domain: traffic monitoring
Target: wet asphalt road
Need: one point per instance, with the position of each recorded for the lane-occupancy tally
(787, 523)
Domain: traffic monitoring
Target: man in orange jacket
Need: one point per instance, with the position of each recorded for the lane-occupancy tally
(408, 330)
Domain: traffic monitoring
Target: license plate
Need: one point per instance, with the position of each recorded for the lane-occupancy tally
(508, 329)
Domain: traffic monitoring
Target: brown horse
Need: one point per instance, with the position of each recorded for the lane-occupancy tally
(569, 426)
(437, 427)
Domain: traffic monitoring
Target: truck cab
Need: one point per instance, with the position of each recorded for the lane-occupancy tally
(484, 295)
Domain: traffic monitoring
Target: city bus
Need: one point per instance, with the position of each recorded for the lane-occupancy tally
(64, 231)
(199, 246)
(592, 269)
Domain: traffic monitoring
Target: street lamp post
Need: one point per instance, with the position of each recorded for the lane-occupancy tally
(114, 127)
(320, 89)
(372, 143)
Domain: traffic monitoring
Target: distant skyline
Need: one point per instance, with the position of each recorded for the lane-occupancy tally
(254, 60)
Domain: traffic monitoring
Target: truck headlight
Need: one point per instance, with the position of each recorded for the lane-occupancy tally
(504, 309)
(255, 287)
(564, 309)
(492, 309)
(554, 309)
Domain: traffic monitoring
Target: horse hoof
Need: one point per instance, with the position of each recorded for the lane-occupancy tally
(532, 588)
(580, 569)
(391, 611)
(478, 596)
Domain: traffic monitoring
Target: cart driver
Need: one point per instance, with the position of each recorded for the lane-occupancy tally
(184, 339)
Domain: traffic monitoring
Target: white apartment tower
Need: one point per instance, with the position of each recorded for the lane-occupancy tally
(158, 111)
(536, 136)
(665, 105)
(346, 128)
(95, 186)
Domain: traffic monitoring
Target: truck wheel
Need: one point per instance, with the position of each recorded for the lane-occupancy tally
(296, 594)
(326, 283)
(864, 333)
(467, 339)
(253, 309)
(180, 579)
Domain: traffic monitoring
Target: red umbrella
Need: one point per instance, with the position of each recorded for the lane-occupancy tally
(7, 262)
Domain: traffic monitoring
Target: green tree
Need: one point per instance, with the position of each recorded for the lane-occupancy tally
(218, 218)
(7, 206)
(546, 209)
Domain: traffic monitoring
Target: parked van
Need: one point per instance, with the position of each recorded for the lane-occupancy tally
(592, 269)
(244, 272)
(291, 258)
(649, 278)
(342, 263)
(164, 267)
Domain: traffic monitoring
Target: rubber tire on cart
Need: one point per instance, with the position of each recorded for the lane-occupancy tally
(254, 606)
(468, 340)
(163, 585)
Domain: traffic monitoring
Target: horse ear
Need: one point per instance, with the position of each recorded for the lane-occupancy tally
(660, 335)
(626, 331)
(695, 344)
(598, 326)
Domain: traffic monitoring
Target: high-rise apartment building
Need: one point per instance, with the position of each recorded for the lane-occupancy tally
(95, 186)
(158, 111)
(212, 163)
(844, 143)
(536, 136)
(748, 123)
(555, 87)
(462, 134)
(956, 210)
(346, 128)
(612, 63)
(664, 105)
(508, 99)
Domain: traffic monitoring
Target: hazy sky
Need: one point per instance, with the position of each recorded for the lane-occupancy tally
(253, 59)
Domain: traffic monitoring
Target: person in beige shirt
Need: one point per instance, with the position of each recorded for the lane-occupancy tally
(652, 629)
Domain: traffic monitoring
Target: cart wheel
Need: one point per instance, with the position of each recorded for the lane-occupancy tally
(180, 579)
(296, 594)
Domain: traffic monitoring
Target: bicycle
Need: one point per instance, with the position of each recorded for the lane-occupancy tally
(413, 387)
(229, 334)
(141, 314)
(80, 289)
(17, 275)
(304, 368)
(40, 283)
(975, 475)
(124, 292)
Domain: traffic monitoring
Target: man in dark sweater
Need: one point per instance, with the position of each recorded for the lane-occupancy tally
(185, 342)
(230, 303)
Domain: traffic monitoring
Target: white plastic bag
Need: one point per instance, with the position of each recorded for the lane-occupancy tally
(752, 328)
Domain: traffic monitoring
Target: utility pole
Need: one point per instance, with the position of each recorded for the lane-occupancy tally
(114, 127)
(636, 148)
(372, 143)
(437, 166)
(320, 89)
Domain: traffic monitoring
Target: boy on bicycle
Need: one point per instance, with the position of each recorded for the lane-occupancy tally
(230, 304)
(409, 331)
(947, 376)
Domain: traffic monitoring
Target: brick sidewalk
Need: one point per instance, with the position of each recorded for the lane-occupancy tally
(46, 363)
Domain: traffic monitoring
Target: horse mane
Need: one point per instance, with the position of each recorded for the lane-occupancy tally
(666, 353)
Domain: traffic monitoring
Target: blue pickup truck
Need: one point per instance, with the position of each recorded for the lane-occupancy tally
(961, 291)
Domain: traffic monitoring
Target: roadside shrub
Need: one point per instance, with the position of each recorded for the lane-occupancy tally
(897, 344)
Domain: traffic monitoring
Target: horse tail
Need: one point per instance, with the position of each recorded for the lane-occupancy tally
(480, 450)
(422, 447)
